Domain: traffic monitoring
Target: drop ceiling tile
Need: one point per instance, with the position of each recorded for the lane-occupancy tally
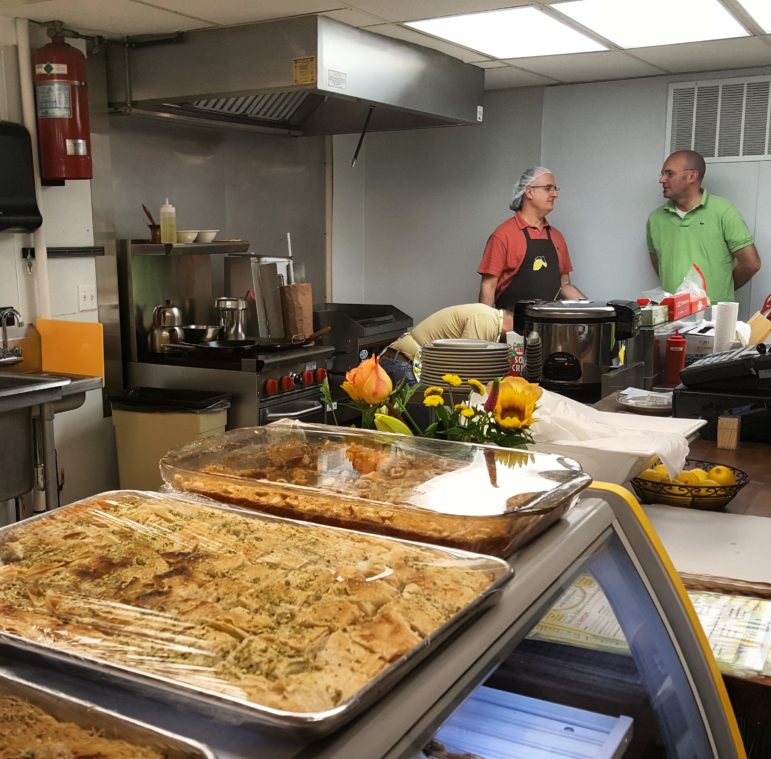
(413, 10)
(588, 67)
(410, 35)
(228, 12)
(510, 77)
(113, 18)
(707, 56)
(354, 17)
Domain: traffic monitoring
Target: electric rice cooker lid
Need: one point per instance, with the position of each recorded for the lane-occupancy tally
(566, 311)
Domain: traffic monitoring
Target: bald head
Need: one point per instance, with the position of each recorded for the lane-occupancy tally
(690, 160)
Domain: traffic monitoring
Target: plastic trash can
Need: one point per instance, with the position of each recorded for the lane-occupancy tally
(149, 422)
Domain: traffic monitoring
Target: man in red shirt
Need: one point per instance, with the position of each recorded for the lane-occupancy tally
(525, 257)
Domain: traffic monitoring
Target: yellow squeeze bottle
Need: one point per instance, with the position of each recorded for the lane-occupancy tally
(168, 223)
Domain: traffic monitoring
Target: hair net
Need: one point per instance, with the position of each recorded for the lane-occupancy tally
(527, 178)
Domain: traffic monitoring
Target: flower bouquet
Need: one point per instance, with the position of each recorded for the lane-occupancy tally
(500, 413)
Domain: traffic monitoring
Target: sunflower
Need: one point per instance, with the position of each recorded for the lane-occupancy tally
(515, 403)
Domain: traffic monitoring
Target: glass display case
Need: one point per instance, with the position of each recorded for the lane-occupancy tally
(657, 694)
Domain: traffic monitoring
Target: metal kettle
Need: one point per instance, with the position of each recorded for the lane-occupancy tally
(166, 329)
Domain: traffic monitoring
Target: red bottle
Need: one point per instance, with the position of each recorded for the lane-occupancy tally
(674, 358)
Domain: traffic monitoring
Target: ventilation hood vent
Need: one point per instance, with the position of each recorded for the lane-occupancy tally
(309, 75)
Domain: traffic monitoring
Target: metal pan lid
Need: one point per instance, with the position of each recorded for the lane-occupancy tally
(571, 310)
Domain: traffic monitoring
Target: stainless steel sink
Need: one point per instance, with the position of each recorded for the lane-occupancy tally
(16, 383)
(18, 394)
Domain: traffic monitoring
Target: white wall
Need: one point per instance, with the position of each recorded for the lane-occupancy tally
(410, 221)
(84, 440)
(606, 143)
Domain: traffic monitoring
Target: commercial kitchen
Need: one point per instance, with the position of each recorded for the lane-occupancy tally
(340, 168)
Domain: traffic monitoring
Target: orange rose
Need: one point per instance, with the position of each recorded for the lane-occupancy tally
(368, 382)
(515, 403)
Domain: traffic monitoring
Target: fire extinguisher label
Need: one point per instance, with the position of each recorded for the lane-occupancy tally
(54, 101)
(51, 68)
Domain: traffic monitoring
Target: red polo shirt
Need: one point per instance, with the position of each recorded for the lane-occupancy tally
(506, 246)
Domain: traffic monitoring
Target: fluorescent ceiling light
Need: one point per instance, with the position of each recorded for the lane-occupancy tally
(760, 10)
(643, 23)
(512, 33)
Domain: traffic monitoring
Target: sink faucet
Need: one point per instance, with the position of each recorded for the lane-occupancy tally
(4, 315)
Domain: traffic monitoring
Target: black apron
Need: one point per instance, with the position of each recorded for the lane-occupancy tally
(538, 278)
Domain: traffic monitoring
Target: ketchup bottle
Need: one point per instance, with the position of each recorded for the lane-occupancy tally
(674, 358)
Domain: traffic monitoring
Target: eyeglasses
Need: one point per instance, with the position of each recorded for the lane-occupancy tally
(547, 187)
(669, 174)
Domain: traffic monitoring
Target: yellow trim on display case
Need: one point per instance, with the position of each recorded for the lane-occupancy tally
(677, 583)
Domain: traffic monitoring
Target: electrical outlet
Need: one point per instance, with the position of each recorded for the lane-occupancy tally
(86, 297)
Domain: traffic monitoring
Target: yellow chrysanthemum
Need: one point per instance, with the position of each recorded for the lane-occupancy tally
(433, 390)
(459, 406)
(452, 379)
(432, 400)
(477, 385)
(515, 404)
(468, 412)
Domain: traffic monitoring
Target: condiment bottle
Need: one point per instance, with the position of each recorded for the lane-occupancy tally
(168, 223)
(674, 358)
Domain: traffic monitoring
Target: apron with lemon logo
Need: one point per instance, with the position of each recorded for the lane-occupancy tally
(538, 278)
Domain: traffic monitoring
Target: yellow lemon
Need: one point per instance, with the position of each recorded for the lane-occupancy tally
(651, 475)
(701, 474)
(707, 483)
(722, 475)
(662, 470)
(687, 478)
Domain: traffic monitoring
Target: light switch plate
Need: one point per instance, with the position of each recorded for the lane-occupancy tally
(86, 297)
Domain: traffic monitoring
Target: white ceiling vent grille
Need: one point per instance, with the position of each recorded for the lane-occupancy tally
(724, 120)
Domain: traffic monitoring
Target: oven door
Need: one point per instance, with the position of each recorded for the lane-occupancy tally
(302, 409)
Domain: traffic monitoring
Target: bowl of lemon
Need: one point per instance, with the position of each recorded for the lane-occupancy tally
(701, 485)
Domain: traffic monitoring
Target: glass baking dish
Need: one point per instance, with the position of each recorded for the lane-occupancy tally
(474, 497)
(253, 618)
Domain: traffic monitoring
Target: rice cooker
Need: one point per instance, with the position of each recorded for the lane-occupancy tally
(579, 341)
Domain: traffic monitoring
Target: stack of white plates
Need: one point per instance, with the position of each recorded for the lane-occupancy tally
(469, 359)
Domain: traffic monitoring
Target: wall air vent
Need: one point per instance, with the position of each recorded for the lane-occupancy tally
(724, 120)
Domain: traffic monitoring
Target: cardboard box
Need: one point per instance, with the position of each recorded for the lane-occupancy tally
(679, 305)
(651, 315)
(699, 303)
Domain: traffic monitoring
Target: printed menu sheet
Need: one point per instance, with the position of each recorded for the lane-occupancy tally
(738, 627)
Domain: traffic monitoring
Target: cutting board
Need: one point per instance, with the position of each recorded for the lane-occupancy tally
(297, 309)
(71, 347)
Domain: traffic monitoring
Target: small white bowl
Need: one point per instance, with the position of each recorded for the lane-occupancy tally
(186, 235)
(206, 235)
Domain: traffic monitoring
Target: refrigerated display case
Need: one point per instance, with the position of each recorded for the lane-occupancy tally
(658, 695)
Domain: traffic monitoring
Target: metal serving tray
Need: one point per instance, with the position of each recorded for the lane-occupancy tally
(232, 708)
(109, 724)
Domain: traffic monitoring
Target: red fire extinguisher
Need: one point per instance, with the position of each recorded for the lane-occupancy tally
(62, 112)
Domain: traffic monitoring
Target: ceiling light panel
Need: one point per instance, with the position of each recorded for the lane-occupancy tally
(643, 23)
(760, 10)
(510, 33)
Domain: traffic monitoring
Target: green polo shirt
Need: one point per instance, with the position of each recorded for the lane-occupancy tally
(708, 236)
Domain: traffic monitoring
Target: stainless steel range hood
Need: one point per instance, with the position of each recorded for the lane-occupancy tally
(308, 75)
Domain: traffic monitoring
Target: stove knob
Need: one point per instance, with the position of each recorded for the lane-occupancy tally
(307, 377)
(271, 387)
(286, 383)
(321, 374)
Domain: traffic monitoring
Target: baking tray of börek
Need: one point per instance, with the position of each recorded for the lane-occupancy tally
(255, 618)
(36, 721)
(474, 497)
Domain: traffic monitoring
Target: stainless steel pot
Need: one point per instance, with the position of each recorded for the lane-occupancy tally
(232, 313)
(166, 329)
(201, 333)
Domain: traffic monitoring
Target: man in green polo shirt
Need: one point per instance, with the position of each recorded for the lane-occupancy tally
(694, 227)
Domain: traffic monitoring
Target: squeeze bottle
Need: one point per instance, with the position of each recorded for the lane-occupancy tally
(168, 223)
(674, 358)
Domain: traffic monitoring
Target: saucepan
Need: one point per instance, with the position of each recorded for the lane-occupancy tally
(200, 333)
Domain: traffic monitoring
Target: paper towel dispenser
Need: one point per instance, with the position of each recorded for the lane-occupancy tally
(18, 206)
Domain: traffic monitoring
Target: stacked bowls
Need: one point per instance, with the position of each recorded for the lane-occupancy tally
(469, 359)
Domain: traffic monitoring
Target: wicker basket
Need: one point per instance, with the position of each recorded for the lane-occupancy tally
(708, 498)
